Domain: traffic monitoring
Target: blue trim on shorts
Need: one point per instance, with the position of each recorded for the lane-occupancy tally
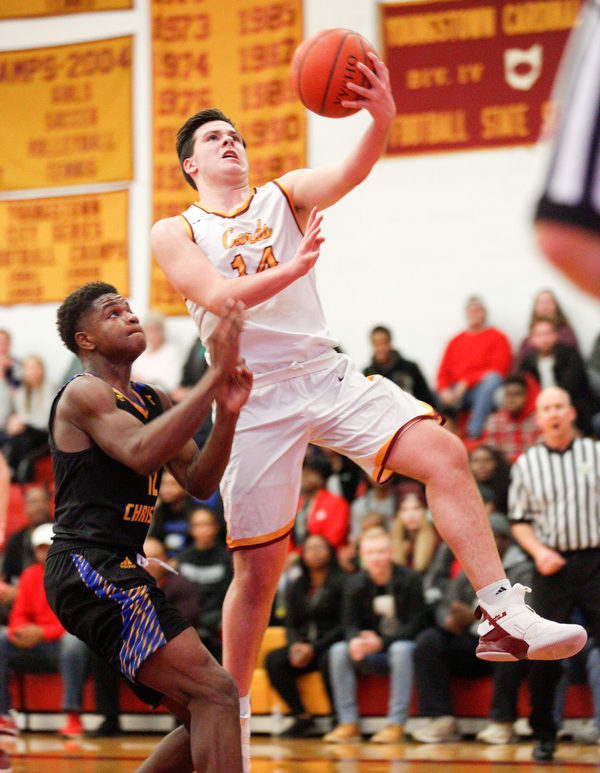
(141, 634)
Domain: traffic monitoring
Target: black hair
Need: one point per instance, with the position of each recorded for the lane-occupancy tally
(332, 563)
(319, 464)
(75, 307)
(185, 136)
(516, 379)
(382, 329)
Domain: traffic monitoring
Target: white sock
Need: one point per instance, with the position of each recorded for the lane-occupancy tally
(245, 730)
(495, 593)
(245, 706)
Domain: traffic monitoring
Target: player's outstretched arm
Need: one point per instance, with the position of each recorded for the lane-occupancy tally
(199, 471)
(88, 405)
(325, 185)
(191, 273)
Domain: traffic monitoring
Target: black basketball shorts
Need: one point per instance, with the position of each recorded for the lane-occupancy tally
(105, 599)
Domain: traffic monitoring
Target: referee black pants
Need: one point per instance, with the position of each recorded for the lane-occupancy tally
(575, 586)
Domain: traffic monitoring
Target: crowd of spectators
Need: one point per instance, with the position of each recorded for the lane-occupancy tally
(369, 586)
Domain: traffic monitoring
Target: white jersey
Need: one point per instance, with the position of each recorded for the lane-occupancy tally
(263, 232)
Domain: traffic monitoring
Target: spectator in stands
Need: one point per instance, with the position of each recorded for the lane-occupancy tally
(19, 553)
(389, 363)
(313, 623)
(546, 305)
(553, 364)
(384, 610)
(160, 364)
(448, 648)
(4, 500)
(27, 427)
(209, 568)
(593, 366)
(473, 366)
(346, 476)
(171, 517)
(10, 378)
(414, 537)
(507, 676)
(581, 668)
(491, 469)
(35, 641)
(378, 498)
(194, 368)
(320, 511)
(513, 429)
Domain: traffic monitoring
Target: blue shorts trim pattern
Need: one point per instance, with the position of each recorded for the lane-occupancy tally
(141, 634)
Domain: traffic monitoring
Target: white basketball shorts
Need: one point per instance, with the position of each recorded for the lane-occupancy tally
(325, 401)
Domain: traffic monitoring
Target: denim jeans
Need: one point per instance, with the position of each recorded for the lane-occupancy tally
(591, 656)
(480, 399)
(67, 655)
(397, 661)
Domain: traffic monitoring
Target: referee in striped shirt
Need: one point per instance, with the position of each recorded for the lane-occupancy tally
(554, 508)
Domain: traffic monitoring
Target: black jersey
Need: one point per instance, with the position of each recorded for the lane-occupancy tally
(100, 502)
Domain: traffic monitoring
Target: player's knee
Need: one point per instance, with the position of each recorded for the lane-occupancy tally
(454, 453)
(227, 690)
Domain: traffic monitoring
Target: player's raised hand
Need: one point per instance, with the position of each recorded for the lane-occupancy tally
(377, 99)
(236, 389)
(309, 248)
(223, 343)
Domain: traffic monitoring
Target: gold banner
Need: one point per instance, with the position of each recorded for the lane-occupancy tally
(66, 115)
(237, 60)
(17, 9)
(50, 247)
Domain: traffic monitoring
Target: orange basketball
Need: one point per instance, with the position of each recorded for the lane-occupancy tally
(323, 64)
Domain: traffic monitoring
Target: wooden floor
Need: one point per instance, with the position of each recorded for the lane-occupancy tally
(37, 753)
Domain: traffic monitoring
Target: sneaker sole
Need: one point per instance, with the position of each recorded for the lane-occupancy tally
(564, 643)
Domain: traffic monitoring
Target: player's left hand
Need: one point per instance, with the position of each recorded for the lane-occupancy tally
(377, 99)
(236, 390)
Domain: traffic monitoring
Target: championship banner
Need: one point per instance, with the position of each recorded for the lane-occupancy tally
(472, 73)
(50, 247)
(18, 9)
(66, 115)
(238, 60)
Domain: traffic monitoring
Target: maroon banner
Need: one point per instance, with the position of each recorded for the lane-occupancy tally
(472, 73)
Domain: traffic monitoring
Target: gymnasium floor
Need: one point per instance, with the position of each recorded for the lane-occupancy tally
(37, 753)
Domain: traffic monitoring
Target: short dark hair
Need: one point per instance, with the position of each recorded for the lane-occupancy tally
(74, 308)
(185, 136)
(382, 329)
(319, 464)
(516, 379)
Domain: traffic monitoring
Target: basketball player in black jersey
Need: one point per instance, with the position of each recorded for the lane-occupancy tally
(110, 439)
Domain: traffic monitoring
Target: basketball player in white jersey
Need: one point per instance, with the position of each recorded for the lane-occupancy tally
(568, 213)
(247, 244)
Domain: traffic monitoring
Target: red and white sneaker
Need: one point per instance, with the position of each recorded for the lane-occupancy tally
(513, 631)
(8, 726)
(73, 727)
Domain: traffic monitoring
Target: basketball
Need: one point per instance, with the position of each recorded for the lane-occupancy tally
(323, 64)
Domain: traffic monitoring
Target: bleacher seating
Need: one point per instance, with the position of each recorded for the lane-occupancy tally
(38, 693)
